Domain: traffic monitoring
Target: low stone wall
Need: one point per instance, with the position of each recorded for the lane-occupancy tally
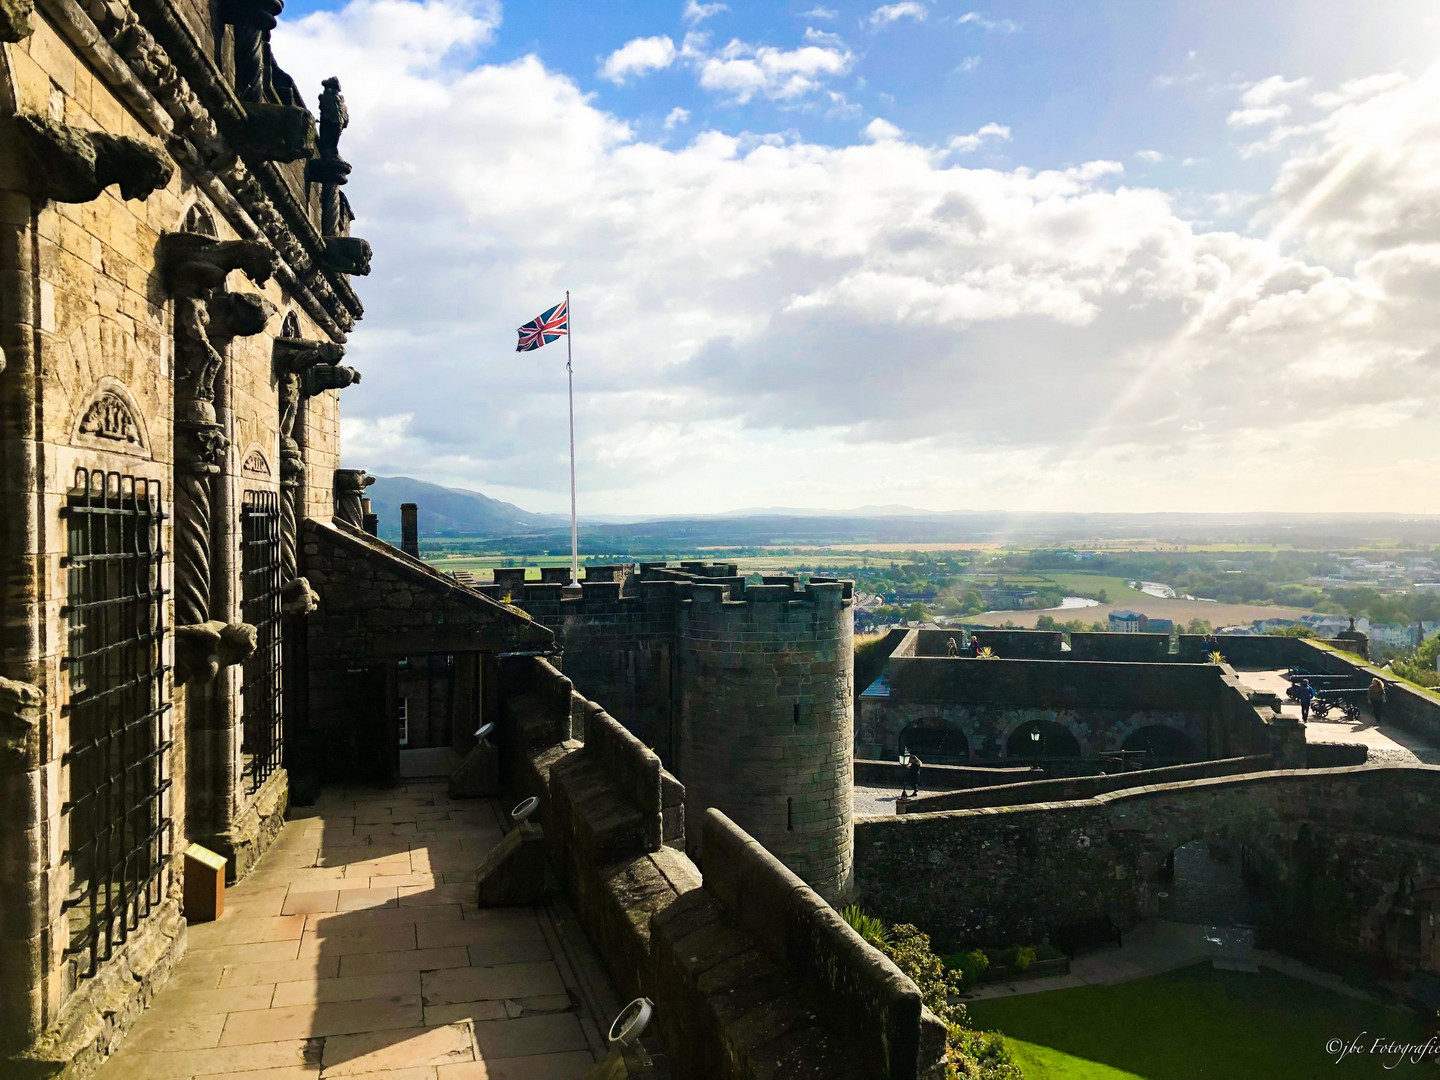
(1006, 644)
(1083, 787)
(1336, 755)
(1351, 858)
(942, 777)
(866, 1018)
(741, 993)
(1129, 648)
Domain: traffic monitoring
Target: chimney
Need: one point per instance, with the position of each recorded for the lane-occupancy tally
(410, 529)
(370, 521)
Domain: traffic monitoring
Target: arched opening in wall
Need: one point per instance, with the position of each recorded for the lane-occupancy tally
(1215, 882)
(290, 328)
(199, 220)
(1042, 739)
(1159, 745)
(935, 743)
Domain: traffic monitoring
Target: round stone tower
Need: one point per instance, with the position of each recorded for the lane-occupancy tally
(767, 720)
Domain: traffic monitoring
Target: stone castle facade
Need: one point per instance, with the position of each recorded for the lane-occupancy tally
(175, 293)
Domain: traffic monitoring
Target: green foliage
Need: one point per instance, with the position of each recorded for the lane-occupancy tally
(968, 965)
(910, 949)
(1291, 631)
(1199, 626)
(978, 1055)
(1215, 658)
(1419, 666)
(986, 653)
(870, 928)
(1024, 957)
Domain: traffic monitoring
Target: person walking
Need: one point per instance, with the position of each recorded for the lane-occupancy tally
(1305, 694)
(951, 649)
(1376, 697)
(914, 772)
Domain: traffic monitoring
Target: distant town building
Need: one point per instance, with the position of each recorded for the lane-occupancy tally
(1125, 622)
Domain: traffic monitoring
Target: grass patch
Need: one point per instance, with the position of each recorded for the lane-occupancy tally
(1198, 1024)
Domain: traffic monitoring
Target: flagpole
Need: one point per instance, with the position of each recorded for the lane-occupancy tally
(570, 378)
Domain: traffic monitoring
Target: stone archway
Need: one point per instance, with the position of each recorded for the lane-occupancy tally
(1042, 739)
(936, 742)
(1162, 745)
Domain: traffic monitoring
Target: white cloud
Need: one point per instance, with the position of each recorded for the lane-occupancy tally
(695, 12)
(970, 63)
(1266, 92)
(638, 57)
(1003, 26)
(879, 130)
(675, 117)
(964, 144)
(1255, 117)
(740, 71)
(905, 9)
(819, 13)
(763, 320)
(1152, 156)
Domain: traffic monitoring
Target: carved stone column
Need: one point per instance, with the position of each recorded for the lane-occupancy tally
(350, 485)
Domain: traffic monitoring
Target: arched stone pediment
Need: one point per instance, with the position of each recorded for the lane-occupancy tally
(255, 462)
(111, 420)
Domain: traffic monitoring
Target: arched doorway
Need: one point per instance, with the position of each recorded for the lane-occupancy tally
(935, 742)
(1213, 881)
(1042, 739)
(1161, 745)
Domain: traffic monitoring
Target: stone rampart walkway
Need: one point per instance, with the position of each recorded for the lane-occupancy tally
(355, 950)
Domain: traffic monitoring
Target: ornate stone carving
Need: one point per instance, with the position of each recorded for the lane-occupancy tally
(295, 355)
(347, 254)
(350, 485)
(252, 21)
(235, 315)
(74, 165)
(22, 707)
(193, 264)
(279, 132)
(256, 464)
(200, 448)
(15, 19)
(324, 377)
(292, 474)
(297, 598)
(111, 419)
(197, 361)
(202, 649)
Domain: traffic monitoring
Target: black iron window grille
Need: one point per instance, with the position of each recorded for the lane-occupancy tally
(263, 725)
(119, 829)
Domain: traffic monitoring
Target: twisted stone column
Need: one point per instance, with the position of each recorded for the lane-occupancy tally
(350, 485)
(203, 449)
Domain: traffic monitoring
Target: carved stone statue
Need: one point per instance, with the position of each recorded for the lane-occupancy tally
(297, 597)
(22, 707)
(197, 361)
(202, 649)
(334, 117)
(73, 165)
(350, 485)
(294, 355)
(15, 19)
(235, 315)
(279, 132)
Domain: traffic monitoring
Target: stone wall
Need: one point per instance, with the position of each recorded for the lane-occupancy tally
(1066, 789)
(1130, 648)
(942, 777)
(1352, 857)
(1007, 644)
(1099, 702)
(751, 973)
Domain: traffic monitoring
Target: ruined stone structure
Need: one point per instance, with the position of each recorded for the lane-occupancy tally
(743, 690)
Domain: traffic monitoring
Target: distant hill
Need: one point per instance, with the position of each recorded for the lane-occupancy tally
(451, 511)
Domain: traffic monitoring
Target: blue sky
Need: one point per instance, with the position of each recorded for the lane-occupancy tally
(1029, 256)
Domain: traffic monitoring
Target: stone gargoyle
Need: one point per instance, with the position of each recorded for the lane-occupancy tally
(279, 132)
(323, 377)
(298, 598)
(193, 264)
(348, 255)
(234, 314)
(15, 19)
(203, 649)
(68, 164)
(21, 709)
(294, 355)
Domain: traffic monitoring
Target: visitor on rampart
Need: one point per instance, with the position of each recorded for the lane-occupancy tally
(974, 649)
(913, 769)
(951, 649)
(1376, 697)
(1305, 694)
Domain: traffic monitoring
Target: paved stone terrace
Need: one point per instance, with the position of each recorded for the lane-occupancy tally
(355, 950)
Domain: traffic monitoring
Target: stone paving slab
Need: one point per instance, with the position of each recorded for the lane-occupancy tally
(355, 950)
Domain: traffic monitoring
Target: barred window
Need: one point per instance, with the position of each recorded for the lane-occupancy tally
(119, 830)
(262, 727)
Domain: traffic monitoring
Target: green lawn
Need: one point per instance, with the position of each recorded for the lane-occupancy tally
(1198, 1024)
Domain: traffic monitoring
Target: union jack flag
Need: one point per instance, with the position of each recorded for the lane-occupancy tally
(542, 330)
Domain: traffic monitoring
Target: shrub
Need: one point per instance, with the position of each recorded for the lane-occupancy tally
(870, 928)
(1024, 957)
(978, 1055)
(986, 653)
(968, 965)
